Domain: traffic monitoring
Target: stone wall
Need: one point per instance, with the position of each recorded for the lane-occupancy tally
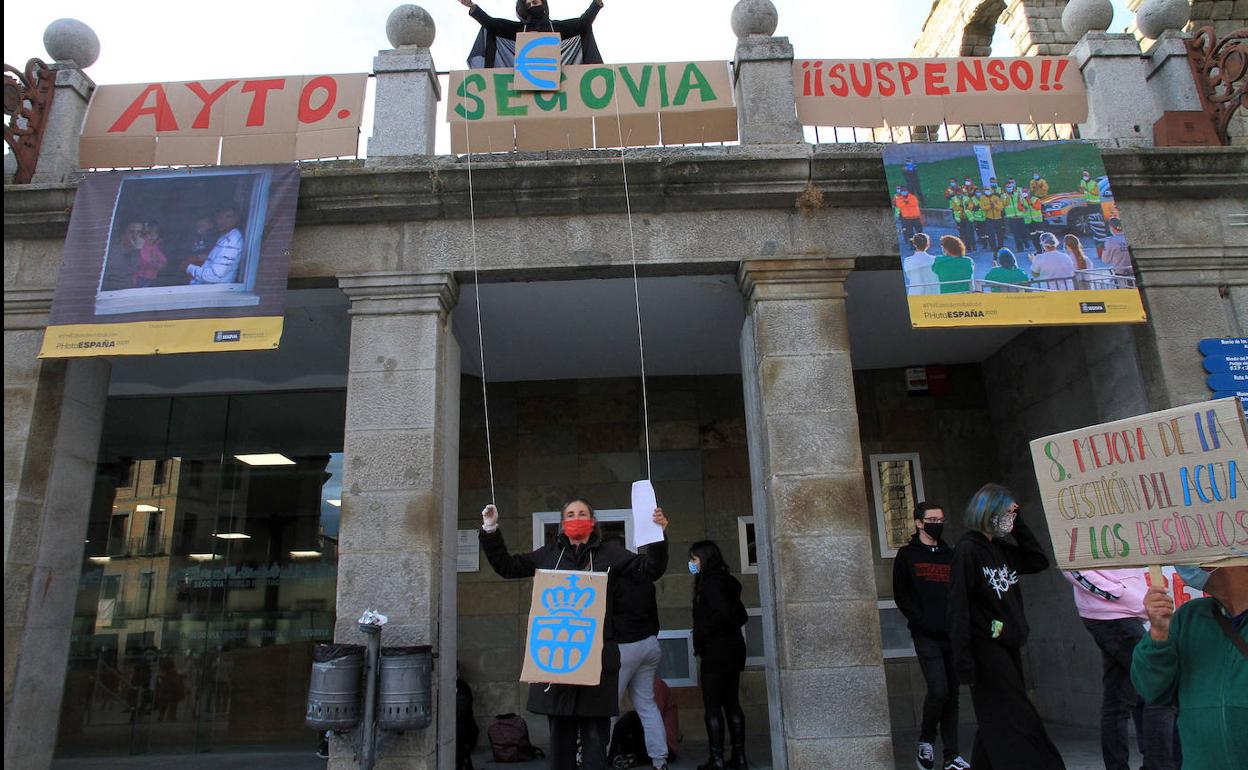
(955, 438)
(966, 28)
(555, 439)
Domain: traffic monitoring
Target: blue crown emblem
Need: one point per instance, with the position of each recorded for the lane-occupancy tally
(560, 642)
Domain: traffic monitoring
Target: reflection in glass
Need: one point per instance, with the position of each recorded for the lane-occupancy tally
(206, 580)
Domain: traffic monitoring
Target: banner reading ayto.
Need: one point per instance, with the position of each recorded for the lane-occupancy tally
(1169, 487)
(1009, 234)
(564, 641)
(175, 261)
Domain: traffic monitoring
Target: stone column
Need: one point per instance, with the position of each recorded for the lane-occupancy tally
(73, 47)
(1169, 74)
(1120, 107)
(763, 77)
(400, 471)
(53, 416)
(825, 674)
(404, 121)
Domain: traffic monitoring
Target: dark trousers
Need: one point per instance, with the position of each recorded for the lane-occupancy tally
(997, 232)
(1154, 725)
(940, 705)
(721, 702)
(1011, 735)
(1018, 229)
(909, 227)
(595, 732)
(966, 230)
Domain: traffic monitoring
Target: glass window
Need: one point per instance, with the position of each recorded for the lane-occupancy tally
(206, 579)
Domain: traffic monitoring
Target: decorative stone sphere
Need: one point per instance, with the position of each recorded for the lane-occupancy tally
(1083, 16)
(1156, 16)
(754, 17)
(71, 40)
(410, 25)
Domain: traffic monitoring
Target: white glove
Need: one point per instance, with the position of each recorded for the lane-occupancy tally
(489, 518)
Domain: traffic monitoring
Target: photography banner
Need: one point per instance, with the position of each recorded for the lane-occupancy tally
(1163, 488)
(671, 103)
(231, 122)
(175, 261)
(1009, 234)
(873, 93)
(564, 642)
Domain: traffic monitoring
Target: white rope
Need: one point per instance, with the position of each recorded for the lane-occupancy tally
(476, 282)
(632, 247)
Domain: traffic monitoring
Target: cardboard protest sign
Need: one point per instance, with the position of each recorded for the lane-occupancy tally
(692, 100)
(870, 93)
(234, 122)
(537, 62)
(1009, 234)
(1169, 487)
(566, 617)
(175, 261)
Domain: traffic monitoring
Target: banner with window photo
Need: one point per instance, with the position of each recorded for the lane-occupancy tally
(1011, 233)
(175, 261)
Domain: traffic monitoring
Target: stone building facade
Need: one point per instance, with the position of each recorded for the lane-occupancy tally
(777, 374)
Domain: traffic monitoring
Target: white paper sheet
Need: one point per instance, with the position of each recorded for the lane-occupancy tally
(645, 531)
(468, 557)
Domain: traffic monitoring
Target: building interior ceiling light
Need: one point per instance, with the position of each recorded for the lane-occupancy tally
(269, 458)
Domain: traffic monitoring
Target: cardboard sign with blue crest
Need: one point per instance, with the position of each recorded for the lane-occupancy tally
(566, 619)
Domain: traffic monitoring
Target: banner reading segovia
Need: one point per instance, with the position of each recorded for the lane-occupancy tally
(1009, 234)
(175, 261)
(1169, 487)
(595, 106)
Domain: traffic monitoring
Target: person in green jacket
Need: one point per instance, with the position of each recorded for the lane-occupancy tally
(954, 269)
(1091, 188)
(1005, 271)
(1189, 658)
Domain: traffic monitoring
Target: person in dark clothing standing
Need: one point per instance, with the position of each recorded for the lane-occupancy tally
(578, 45)
(637, 633)
(987, 629)
(718, 616)
(921, 590)
(578, 711)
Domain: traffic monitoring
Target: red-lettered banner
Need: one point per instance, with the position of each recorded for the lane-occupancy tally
(231, 122)
(908, 92)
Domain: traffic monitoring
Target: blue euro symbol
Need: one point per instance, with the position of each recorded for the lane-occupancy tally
(526, 66)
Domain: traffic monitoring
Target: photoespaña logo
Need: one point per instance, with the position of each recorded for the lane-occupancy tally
(561, 640)
(233, 335)
(1092, 307)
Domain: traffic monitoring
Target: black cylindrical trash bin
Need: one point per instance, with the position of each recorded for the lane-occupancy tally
(405, 691)
(334, 692)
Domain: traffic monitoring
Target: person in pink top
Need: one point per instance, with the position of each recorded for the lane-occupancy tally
(1111, 604)
(151, 258)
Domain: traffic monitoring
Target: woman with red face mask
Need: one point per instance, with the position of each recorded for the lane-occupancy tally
(574, 710)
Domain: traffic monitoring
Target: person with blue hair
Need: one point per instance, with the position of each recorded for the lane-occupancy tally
(988, 628)
(1197, 658)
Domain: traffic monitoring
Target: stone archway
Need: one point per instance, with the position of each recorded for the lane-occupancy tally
(966, 28)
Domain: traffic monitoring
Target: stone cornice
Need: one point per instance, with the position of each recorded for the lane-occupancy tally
(1179, 265)
(400, 293)
(26, 308)
(661, 180)
(796, 277)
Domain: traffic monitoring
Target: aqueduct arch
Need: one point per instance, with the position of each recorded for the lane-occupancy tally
(966, 28)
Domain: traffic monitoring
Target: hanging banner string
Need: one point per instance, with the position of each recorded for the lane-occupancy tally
(632, 248)
(476, 282)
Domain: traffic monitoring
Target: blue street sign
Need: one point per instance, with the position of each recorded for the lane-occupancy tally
(1228, 381)
(1220, 364)
(1224, 346)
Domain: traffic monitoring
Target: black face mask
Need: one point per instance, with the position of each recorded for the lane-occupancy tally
(933, 529)
(538, 15)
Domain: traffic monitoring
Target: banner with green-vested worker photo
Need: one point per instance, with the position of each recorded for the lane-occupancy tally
(1011, 233)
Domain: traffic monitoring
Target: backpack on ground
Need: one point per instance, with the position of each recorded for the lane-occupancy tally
(628, 742)
(509, 739)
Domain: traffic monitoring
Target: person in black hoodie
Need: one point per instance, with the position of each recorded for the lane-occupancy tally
(495, 44)
(718, 616)
(987, 629)
(637, 633)
(921, 591)
(574, 710)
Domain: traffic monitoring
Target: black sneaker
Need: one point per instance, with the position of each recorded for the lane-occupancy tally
(925, 756)
(957, 763)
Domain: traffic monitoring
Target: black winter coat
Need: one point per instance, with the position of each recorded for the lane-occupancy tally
(718, 616)
(620, 564)
(984, 588)
(582, 26)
